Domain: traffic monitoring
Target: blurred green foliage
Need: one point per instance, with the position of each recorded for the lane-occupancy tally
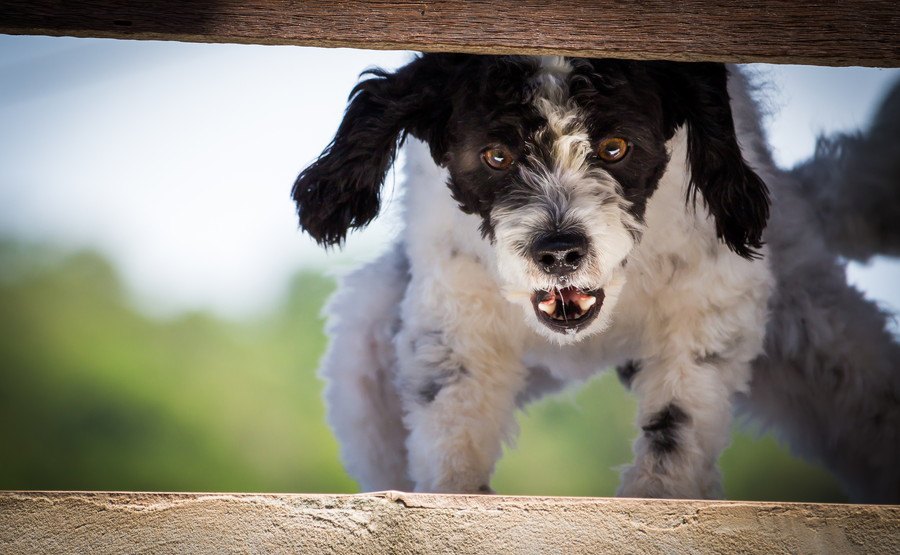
(96, 395)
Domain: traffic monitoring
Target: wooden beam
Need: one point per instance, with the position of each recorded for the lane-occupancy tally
(393, 522)
(849, 32)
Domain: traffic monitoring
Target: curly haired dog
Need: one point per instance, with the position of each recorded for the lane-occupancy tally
(567, 215)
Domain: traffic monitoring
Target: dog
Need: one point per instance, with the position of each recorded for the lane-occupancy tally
(567, 215)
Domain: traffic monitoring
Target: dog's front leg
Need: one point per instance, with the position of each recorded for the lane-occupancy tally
(459, 384)
(685, 419)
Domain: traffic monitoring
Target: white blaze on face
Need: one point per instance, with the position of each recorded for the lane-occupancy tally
(571, 142)
(571, 195)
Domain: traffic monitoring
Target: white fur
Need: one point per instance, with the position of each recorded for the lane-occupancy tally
(573, 193)
(692, 311)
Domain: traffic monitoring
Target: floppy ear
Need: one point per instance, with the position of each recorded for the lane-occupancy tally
(696, 95)
(342, 188)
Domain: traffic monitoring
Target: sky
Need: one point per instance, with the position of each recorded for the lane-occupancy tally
(176, 160)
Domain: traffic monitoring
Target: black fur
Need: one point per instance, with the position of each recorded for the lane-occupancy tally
(492, 106)
(623, 99)
(342, 188)
(627, 372)
(662, 430)
(434, 384)
(429, 391)
(460, 104)
(696, 95)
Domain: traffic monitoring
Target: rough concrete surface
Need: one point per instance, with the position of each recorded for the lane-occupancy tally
(394, 522)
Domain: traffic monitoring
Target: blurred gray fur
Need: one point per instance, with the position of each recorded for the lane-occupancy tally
(829, 382)
(853, 183)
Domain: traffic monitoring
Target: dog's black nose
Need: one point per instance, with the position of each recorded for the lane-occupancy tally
(559, 253)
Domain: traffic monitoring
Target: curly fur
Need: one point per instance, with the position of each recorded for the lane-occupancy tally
(851, 182)
(700, 303)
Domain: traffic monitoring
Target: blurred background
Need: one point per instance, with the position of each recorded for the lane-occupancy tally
(160, 312)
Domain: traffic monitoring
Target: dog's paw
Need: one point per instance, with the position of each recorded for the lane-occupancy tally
(643, 486)
(639, 482)
(481, 490)
(458, 489)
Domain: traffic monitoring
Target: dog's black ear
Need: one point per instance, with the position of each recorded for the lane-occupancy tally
(696, 95)
(342, 188)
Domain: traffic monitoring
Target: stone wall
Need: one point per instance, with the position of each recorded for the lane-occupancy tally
(393, 522)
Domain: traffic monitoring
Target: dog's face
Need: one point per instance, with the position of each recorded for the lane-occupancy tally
(558, 157)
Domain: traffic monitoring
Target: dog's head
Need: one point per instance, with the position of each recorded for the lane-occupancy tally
(558, 157)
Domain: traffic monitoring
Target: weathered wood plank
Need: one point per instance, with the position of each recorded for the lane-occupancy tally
(393, 522)
(851, 32)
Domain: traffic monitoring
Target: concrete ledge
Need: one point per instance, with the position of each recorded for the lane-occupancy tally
(393, 522)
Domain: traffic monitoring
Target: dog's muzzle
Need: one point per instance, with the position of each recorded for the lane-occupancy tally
(564, 309)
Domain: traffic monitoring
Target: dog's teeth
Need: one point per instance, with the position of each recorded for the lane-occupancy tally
(548, 306)
(586, 302)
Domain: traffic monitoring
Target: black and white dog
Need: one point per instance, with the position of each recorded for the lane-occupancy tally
(564, 216)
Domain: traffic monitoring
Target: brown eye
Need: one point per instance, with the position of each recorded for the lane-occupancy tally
(612, 149)
(498, 158)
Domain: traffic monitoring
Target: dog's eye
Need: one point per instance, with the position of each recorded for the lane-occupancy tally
(612, 149)
(497, 157)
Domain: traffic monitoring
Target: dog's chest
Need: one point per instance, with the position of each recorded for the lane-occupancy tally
(621, 342)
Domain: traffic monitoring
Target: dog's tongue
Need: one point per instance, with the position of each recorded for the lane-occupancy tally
(567, 295)
(573, 295)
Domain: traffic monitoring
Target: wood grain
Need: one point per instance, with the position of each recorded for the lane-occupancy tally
(850, 32)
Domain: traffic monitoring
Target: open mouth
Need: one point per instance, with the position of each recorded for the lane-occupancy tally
(567, 309)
